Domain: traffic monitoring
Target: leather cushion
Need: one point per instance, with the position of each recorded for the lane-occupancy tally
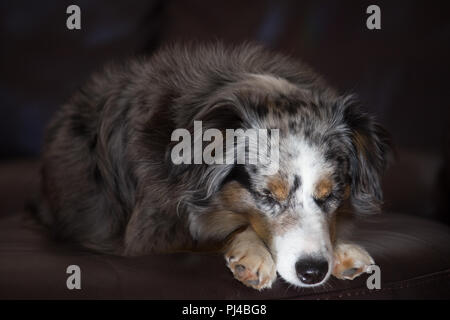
(413, 255)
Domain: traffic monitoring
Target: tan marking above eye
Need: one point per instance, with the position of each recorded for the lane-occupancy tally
(323, 188)
(278, 187)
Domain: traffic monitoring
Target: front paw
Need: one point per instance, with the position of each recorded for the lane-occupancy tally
(253, 266)
(350, 261)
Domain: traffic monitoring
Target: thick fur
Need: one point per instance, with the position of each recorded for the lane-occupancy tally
(110, 185)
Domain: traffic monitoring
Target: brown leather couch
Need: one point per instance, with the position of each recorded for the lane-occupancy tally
(413, 255)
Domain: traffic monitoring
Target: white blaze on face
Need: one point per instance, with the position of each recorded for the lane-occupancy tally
(310, 237)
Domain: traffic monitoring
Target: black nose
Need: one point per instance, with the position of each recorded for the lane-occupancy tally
(311, 271)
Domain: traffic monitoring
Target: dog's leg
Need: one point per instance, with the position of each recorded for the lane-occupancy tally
(350, 261)
(250, 260)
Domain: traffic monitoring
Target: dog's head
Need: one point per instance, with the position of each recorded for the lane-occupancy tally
(330, 151)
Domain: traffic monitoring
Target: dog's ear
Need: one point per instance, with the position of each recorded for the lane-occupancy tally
(203, 179)
(370, 153)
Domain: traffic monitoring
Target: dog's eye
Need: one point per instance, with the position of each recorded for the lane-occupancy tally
(323, 200)
(268, 202)
(268, 196)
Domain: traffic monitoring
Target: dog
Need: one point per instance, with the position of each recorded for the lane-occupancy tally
(109, 182)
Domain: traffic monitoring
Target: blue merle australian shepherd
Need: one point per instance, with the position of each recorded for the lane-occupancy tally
(110, 184)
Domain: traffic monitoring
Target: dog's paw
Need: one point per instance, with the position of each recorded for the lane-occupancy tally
(350, 261)
(253, 266)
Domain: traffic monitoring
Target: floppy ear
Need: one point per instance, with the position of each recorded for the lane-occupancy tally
(202, 179)
(370, 153)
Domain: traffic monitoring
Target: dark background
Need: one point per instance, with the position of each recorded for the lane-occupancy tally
(400, 72)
